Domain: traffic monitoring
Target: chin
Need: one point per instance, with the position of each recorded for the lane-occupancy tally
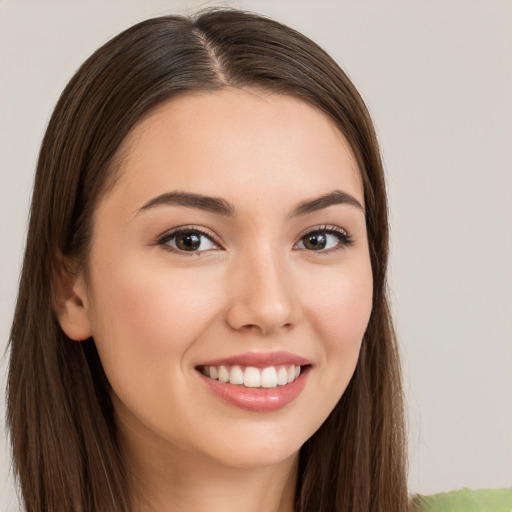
(256, 456)
(251, 448)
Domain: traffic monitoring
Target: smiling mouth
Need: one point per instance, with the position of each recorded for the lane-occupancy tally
(253, 377)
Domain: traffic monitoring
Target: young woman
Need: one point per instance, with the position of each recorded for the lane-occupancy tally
(202, 321)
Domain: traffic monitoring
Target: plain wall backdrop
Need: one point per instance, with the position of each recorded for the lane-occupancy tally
(437, 78)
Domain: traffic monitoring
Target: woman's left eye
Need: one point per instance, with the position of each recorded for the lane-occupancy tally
(323, 240)
(190, 240)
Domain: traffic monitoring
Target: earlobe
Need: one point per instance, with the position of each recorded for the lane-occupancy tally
(71, 302)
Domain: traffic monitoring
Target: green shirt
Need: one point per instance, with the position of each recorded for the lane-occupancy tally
(496, 500)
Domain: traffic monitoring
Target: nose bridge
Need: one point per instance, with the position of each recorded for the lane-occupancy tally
(263, 296)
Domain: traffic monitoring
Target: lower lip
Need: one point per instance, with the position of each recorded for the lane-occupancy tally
(258, 399)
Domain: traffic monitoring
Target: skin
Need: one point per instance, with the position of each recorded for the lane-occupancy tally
(156, 314)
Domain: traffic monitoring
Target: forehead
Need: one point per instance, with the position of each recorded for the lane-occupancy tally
(256, 141)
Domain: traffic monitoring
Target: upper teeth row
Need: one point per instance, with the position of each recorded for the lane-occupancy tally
(253, 377)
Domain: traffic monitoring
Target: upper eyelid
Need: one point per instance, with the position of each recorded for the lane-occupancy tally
(323, 227)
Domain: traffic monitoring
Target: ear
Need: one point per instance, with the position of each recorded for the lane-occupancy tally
(71, 304)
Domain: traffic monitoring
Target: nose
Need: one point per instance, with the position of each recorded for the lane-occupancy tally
(262, 297)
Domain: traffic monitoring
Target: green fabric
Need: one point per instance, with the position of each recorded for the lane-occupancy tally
(496, 500)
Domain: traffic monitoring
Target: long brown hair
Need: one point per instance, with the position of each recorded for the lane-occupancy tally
(60, 415)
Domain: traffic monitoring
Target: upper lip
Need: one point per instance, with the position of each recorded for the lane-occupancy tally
(259, 359)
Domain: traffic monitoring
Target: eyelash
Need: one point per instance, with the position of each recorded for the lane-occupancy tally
(344, 239)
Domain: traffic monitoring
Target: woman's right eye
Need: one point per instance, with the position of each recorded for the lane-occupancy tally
(189, 240)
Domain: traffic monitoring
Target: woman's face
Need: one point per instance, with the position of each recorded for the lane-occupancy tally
(233, 244)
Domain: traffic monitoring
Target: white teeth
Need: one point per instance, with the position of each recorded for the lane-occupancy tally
(223, 374)
(253, 377)
(236, 375)
(269, 377)
(282, 376)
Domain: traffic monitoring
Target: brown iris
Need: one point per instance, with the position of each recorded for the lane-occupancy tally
(315, 241)
(188, 241)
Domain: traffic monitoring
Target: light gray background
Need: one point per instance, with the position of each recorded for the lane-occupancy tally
(437, 77)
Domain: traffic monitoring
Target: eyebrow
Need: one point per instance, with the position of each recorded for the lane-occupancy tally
(222, 207)
(206, 203)
(330, 199)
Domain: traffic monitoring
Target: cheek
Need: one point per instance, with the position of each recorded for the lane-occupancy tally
(339, 313)
(342, 307)
(146, 317)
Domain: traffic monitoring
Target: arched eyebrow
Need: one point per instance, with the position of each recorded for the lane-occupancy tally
(199, 201)
(220, 206)
(324, 201)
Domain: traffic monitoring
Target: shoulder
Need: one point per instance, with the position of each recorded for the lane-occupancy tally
(466, 500)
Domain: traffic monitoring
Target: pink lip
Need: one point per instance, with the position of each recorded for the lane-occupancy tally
(259, 360)
(257, 399)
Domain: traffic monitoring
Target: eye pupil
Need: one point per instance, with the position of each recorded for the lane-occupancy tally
(188, 241)
(315, 241)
